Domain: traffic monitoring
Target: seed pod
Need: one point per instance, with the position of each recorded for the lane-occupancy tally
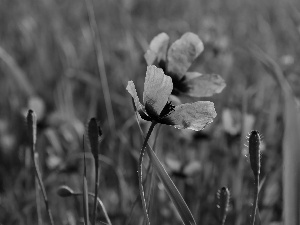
(254, 152)
(31, 126)
(65, 191)
(223, 196)
(94, 133)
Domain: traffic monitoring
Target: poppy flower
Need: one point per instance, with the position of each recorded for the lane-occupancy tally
(175, 62)
(157, 108)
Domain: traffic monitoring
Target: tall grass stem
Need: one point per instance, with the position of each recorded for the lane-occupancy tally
(100, 64)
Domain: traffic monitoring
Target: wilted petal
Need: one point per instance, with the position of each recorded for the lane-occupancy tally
(203, 85)
(132, 91)
(183, 52)
(157, 49)
(193, 116)
(157, 90)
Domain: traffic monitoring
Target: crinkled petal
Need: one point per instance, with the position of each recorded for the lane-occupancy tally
(203, 85)
(182, 53)
(194, 116)
(157, 49)
(157, 90)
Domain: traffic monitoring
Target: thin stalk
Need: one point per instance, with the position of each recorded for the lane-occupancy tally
(85, 190)
(136, 199)
(96, 190)
(141, 168)
(31, 126)
(38, 203)
(256, 188)
(39, 178)
(99, 202)
(152, 175)
(100, 64)
(131, 210)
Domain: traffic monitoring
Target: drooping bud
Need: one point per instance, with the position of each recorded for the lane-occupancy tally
(65, 191)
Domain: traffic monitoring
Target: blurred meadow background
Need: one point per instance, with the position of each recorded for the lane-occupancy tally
(48, 63)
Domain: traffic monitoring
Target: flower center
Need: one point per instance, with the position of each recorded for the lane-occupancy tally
(179, 84)
(167, 109)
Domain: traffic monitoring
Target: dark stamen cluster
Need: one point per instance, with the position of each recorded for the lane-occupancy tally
(167, 109)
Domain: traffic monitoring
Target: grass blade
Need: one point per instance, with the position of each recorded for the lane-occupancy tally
(65, 192)
(172, 191)
(17, 74)
(100, 64)
(291, 142)
(85, 201)
(94, 134)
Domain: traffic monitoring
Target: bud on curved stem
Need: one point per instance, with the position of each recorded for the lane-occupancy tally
(31, 126)
(65, 191)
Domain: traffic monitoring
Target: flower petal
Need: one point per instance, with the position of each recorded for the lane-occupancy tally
(132, 91)
(138, 106)
(204, 85)
(194, 116)
(157, 49)
(157, 89)
(183, 52)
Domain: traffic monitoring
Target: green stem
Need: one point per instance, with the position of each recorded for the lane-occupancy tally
(152, 175)
(140, 170)
(40, 182)
(38, 203)
(96, 190)
(256, 187)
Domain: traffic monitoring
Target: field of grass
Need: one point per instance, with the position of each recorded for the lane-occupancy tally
(69, 65)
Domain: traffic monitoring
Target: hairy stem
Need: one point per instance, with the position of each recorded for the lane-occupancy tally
(152, 175)
(141, 168)
(256, 187)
